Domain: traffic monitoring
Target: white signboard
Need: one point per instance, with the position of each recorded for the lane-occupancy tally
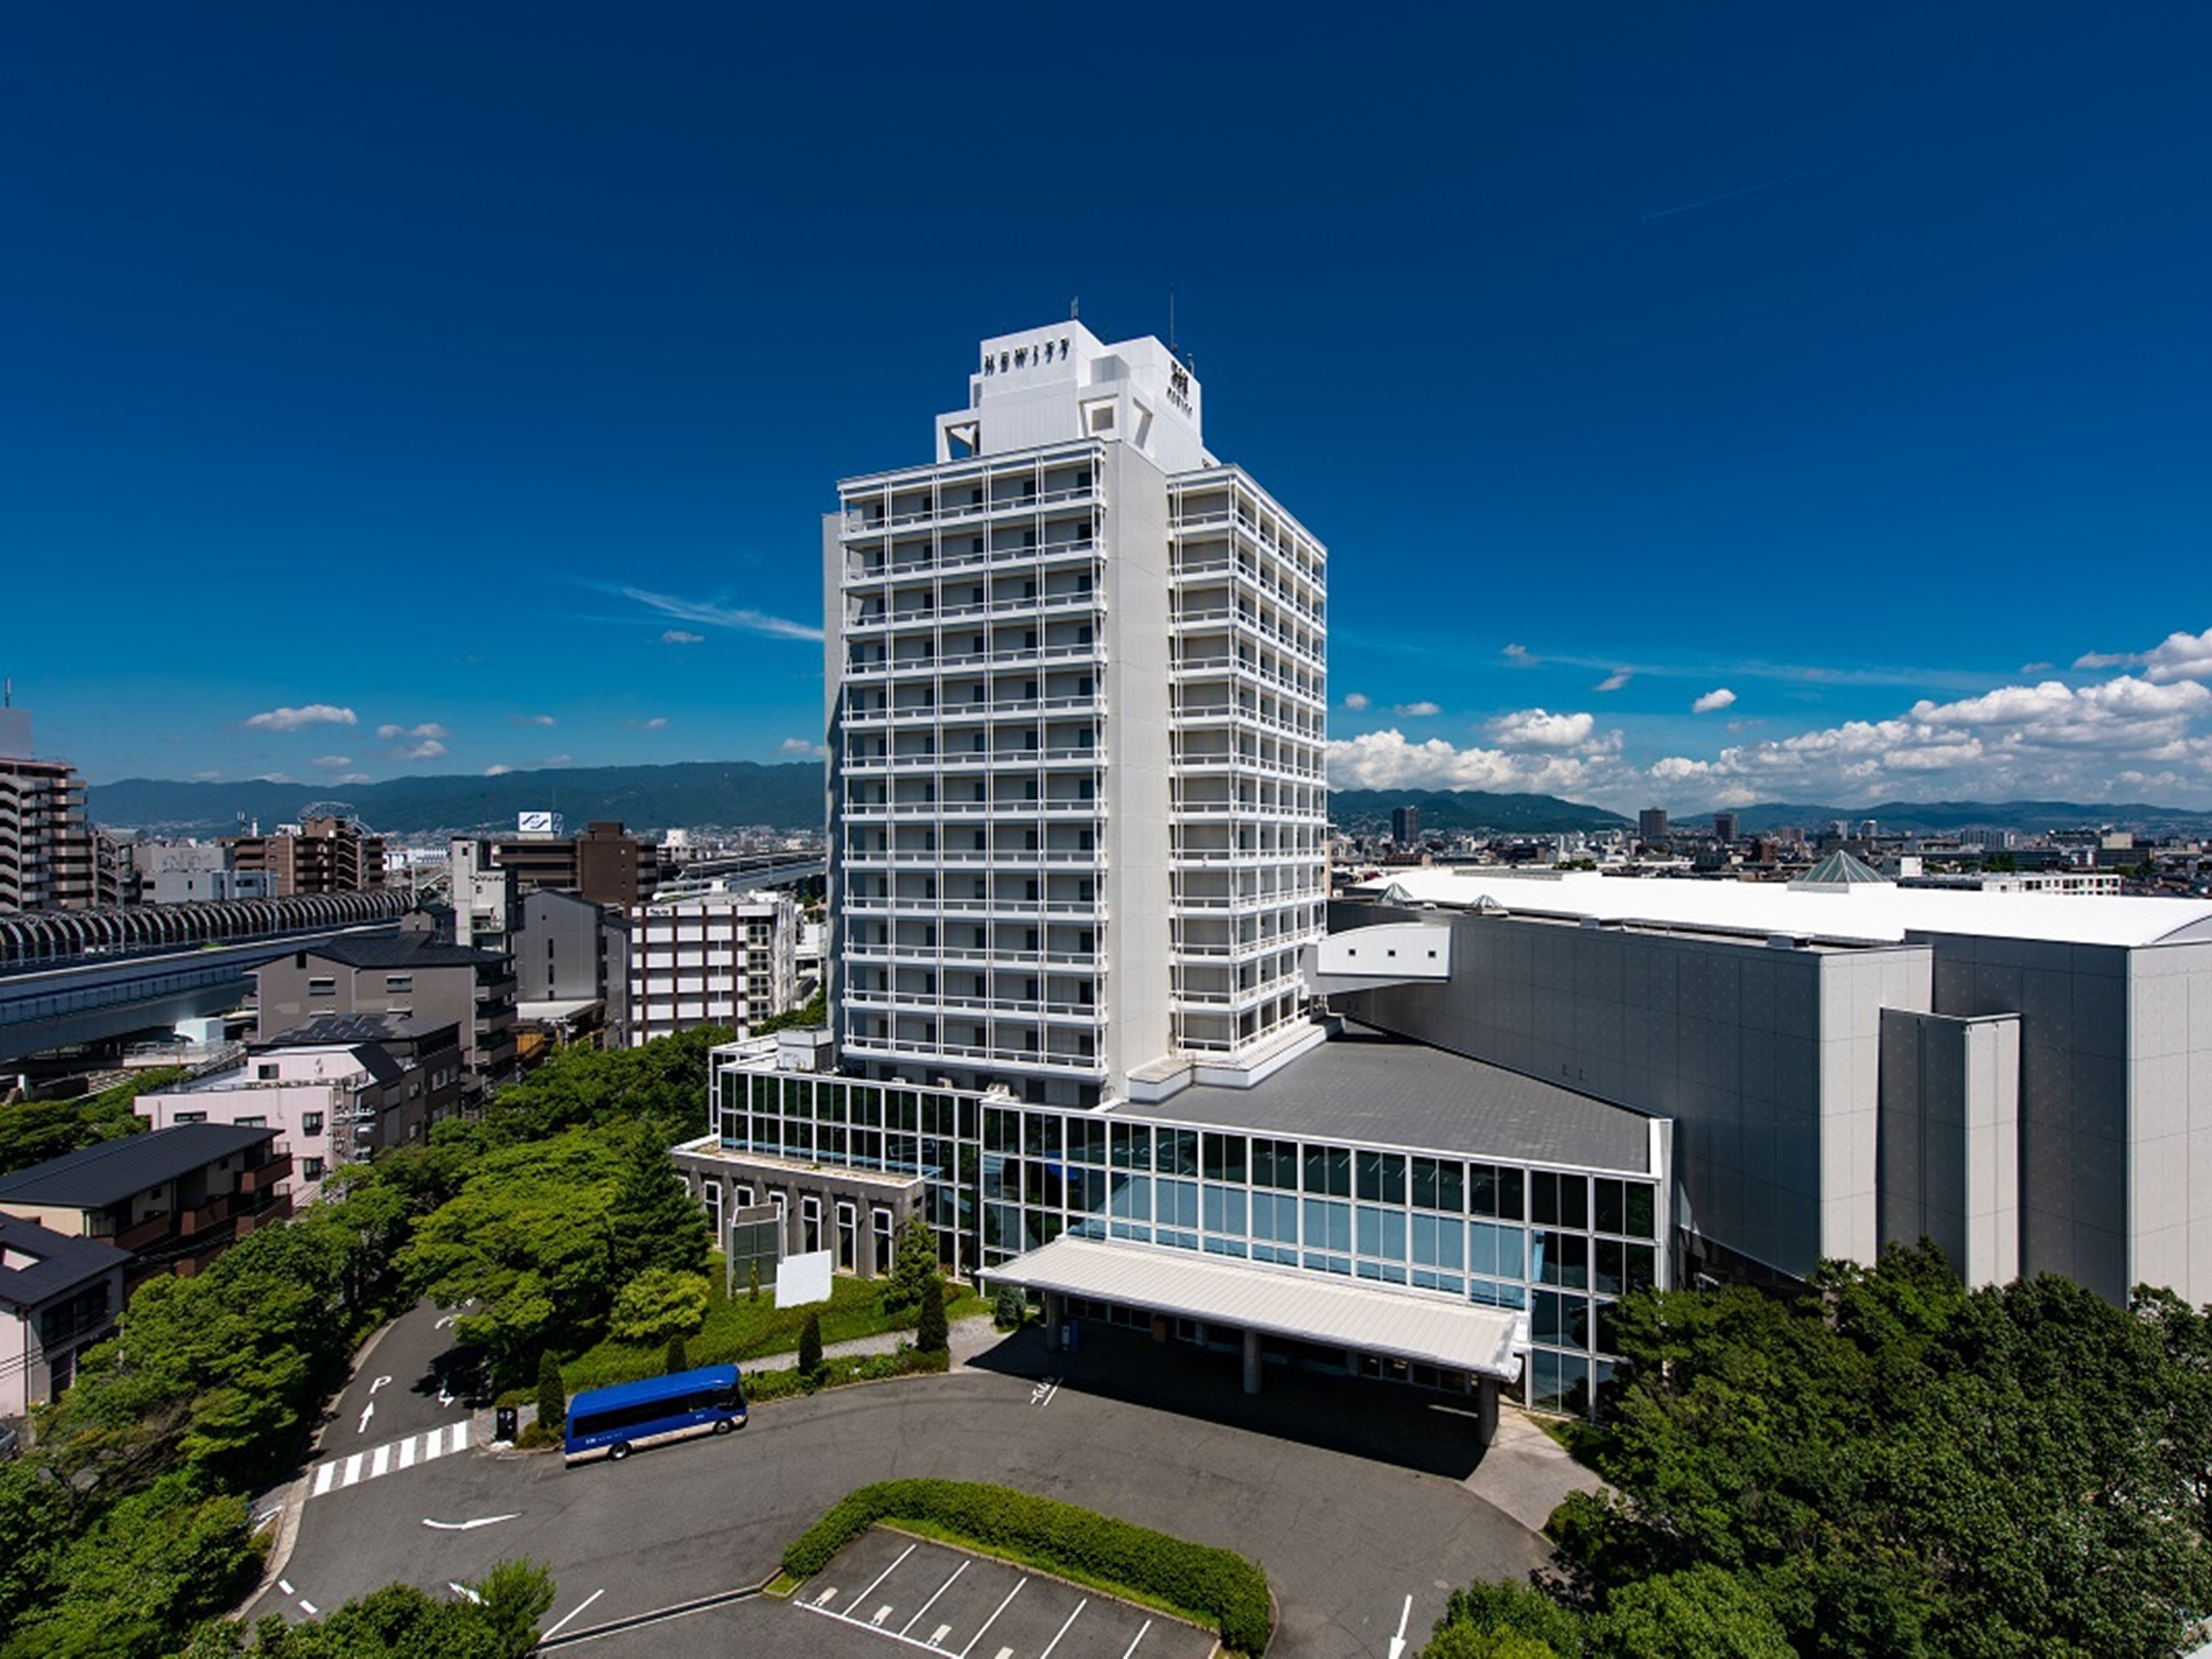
(800, 1280)
(538, 824)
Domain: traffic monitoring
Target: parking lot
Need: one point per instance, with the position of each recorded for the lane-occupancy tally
(913, 1594)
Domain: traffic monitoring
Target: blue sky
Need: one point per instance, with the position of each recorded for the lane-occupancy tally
(1842, 375)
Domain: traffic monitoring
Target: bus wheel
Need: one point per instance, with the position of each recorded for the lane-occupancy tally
(723, 1426)
(619, 1450)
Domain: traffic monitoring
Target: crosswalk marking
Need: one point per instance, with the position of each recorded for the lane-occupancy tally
(336, 1474)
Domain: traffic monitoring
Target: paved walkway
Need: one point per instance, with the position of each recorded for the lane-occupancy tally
(970, 1337)
(1527, 1473)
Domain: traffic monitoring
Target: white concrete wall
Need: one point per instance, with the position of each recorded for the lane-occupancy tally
(2169, 1085)
(1136, 838)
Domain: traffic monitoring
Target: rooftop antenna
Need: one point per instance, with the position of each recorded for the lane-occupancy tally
(1075, 309)
(1172, 351)
(8, 693)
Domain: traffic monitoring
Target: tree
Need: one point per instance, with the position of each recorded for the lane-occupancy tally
(1892, 1463)
(1010, 1309)
(1706, 1612)
(511, 1599)
(912, 1264)
(552, 1392)
(1504, 1620)
(654, 1221)
(36, 1130)
(658, 1305)
(526, 1240)
(678, 1357)
(810, 1345)
(753, 1280)
(930, 1334)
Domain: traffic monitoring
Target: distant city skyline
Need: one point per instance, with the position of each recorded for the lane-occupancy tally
(1697, 410)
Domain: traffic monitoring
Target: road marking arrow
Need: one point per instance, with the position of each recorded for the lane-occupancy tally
(467, 1526)
(1398, 1641)
(463, 1589)
(367, 1412)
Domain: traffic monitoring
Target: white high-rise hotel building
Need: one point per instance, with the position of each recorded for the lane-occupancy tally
(1076, 673)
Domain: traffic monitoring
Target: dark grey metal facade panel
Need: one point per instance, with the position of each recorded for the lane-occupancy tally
(113, 1170)
(1369, 1087)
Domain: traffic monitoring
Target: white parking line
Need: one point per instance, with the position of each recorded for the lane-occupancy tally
(352, 1472)
(993, 1618)
(311, 1608)
(1072, 1617)
(932, 1603)
(886, 1573)
(573, 1612)
(1132, 1647)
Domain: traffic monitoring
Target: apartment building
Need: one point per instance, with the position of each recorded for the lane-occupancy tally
(338, 1090)
(320, 855)
(49, 858)
(572, 967)
(58, 1295)
(717, 956)
(1077, 695)
(409, 975)
(171, 1200)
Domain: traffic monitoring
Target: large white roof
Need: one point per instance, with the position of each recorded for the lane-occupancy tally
(1429, 1330)
(1868, 912)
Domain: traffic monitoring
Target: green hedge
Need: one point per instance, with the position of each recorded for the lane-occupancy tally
(783, 1383)
(1215, 1583)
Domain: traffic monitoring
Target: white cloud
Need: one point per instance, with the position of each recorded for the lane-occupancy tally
(1720, 698)
(1386, 760)
(1535, 728)
(336, 763)
(533, 719)
(558, 760)
(2047, 740)
(1521, 654)
(658, 723)
(292, 720)
(1420, 710)
(271, 777)
(1615, 680)
(429, 731)
(710, 615)
(2182, 657)
(209, 777)
(682, 636)
(497, 771)
(801, 746)
(429, 749)
(1356, 699)
(388, 732)
(355, 777)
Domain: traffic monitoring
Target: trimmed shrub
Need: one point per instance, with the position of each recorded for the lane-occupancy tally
(552, 1395)
(931, 1333)
(1010, 1308)
(810, 1346)
(1214, 1584)
(678, 1360)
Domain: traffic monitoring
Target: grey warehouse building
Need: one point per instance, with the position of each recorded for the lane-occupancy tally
(2024, 1077)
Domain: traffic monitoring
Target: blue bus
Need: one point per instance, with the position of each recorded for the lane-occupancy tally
(613, 1422)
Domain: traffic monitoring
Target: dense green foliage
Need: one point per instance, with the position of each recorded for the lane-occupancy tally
(810, 1345)
(36, 1130)
(1214, 1585)
(401, 1622)
(125, 1524)
(1893, 1465)
(660, 1306)
(1010, 1308)
(678, 1357)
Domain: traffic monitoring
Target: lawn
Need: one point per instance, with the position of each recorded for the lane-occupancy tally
(739, 1328)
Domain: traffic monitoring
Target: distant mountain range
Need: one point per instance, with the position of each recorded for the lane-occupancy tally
(788, 796)
(1940, 816)
(1475, 811)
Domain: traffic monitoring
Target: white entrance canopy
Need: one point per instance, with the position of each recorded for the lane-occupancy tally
(1353, 1314)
